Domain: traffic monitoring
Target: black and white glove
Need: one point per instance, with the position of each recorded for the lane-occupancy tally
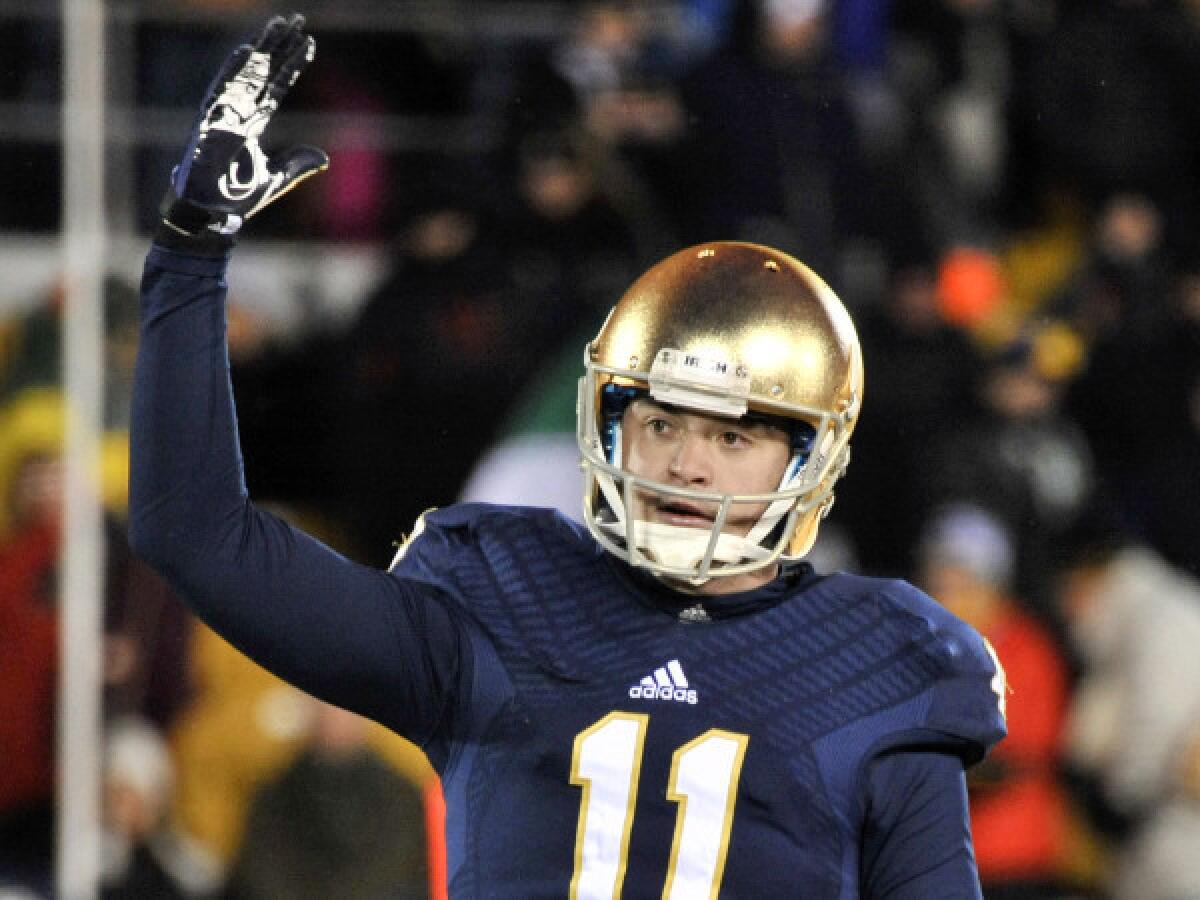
(225, 177)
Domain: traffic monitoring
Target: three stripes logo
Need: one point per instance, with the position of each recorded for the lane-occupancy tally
(665, 683)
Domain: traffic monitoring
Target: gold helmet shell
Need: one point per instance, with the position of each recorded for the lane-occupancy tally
(748, 304)
(728, 327)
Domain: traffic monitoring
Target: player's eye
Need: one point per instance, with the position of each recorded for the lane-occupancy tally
(733, 439)
(659, 426)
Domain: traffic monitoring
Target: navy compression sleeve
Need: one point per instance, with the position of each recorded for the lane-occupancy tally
(917, 842)
(352, 635)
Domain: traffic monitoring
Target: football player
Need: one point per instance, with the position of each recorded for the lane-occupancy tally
(666, 702)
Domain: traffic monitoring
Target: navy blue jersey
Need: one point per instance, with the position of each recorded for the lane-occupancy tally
(598, 734)
(761, 718)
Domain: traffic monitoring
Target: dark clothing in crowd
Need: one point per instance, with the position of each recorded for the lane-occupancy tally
(333, 827)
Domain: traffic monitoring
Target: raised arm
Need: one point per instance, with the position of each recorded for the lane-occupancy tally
(351, 635)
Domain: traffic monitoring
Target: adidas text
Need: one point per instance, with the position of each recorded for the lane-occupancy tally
(652, 692)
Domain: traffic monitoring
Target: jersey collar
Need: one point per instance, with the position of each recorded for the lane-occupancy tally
(652, 592)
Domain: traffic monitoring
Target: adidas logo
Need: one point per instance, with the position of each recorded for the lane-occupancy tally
(665, 683)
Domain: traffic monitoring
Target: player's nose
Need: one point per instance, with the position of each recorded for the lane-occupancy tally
(691, 462)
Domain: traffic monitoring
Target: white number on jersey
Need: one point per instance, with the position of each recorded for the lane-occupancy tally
(704, 775)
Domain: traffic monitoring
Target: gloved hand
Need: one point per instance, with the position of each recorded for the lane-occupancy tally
(225, 177)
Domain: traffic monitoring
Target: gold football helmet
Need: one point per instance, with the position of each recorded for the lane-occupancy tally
(730, 329)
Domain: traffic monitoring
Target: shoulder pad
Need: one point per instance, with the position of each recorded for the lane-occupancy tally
(455, 517)
(468, 515)
(969, 690)
(453, 523)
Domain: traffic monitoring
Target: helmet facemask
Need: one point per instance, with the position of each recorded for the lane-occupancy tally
(688, 554)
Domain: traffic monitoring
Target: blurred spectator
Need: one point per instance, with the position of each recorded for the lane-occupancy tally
(953, 63)
(34, 352)
(1122, 282)
(28, 675)
(1133, 730)
(1113, 104)
(1022, 458)
(241, 729)
(1039, 257)
(922, 382)
(147, 630)
(772, 153)
(337, 822)
(30, 169)
(145, 624)
(1139, 403)
(364, 77)
(611, 78)
(433, 359)
(351, 203)
(143, 854)
(1170, 517)
(146, 627)
(570, 250)
(613, 63)
(1019, 806)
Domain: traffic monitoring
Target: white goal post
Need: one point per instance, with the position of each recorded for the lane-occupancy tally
(84, 251)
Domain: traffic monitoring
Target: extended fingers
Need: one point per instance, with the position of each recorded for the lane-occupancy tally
(281, 34)
(291, 67)
(289, 48)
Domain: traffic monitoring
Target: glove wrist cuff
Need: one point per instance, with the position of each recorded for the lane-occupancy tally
(207, 243)
(186, 216)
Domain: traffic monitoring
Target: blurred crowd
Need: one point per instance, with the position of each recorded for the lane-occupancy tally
(1005, 194)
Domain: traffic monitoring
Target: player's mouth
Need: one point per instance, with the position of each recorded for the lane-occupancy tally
(685, 515)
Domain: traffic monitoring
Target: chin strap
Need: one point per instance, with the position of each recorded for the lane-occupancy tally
(678, 547)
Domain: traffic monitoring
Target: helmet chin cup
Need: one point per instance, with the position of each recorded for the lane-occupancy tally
(674, 549)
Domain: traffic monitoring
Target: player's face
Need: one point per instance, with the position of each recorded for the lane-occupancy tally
(704, 453)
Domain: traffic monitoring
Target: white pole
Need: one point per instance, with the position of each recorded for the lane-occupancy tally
(81, 591)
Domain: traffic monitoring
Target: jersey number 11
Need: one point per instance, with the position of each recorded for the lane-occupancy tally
(606, 763)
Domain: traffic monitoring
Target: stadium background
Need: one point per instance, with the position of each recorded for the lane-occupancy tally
(1004, 192)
